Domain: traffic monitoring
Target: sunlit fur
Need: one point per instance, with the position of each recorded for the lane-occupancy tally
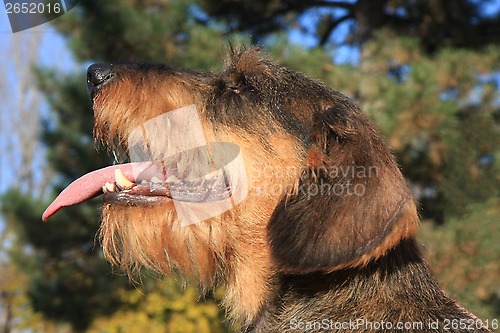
(282, 254)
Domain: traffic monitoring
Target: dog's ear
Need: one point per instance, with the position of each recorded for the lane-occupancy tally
(351, 204)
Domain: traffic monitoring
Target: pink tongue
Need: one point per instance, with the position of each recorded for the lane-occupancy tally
(90, 185)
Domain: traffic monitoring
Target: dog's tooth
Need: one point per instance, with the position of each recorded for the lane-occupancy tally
(144, 183)
(109, 187)
(156, 187)
(122, 181)
(155, 180)
(172, 179)
(104, 189)
(191, 176)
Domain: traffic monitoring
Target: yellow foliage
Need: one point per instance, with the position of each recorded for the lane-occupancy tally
(162, 307)
(13, 288)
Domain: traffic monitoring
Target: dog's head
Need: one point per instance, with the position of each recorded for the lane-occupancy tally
(320, 189)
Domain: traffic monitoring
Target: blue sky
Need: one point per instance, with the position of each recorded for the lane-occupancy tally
(52, 52)
(53, 49)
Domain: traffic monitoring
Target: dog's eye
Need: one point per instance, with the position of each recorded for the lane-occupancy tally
(238, 86)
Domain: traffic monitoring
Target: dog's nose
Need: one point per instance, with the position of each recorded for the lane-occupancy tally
(97, 75)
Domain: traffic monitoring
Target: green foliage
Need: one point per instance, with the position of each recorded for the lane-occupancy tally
(465, 255)
(468, 176)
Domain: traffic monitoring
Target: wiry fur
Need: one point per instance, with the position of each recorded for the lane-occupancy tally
(284, 254)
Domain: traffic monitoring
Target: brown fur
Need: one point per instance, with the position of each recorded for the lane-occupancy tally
(284, 253)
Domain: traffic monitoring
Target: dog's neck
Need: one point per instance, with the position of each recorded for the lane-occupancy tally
(395, 288)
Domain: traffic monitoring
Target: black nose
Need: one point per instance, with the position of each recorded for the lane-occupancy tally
(97, 75)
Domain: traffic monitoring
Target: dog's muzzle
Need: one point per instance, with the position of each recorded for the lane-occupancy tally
(97, 76)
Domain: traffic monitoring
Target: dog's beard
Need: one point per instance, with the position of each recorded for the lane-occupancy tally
(133, 237)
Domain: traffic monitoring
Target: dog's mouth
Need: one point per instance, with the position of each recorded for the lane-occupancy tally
(154, 190)
(171, 162)
(141, 184)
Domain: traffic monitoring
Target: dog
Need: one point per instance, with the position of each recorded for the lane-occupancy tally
(321, 236)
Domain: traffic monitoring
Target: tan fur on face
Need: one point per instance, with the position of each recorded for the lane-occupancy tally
(125, 105)
(222, 249)
(231, 248)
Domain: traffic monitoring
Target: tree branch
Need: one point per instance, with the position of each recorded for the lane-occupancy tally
(331, 26)
(337, 4)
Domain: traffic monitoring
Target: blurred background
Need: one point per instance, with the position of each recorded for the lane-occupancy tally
(426, 71)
